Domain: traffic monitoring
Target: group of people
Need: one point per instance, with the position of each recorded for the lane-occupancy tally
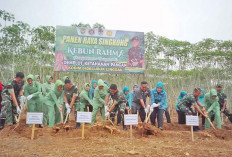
(63, 97)
(210, 105)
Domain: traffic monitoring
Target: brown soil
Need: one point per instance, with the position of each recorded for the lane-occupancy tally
(107, 140)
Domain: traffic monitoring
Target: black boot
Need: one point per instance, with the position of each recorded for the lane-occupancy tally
(2, 123)
(124, 127)
(78, 125)
(196, 128)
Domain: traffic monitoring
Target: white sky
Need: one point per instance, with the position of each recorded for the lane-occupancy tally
(191, 20)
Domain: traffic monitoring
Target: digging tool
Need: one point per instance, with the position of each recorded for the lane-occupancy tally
(209, 120)
(210, 123)
(66, 118)
(61, 115)
(17, 119)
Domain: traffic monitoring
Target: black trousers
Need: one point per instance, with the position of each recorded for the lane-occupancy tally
(181, 117)
(141, 110)
(167, 115)
(157, 113)
(90, 107)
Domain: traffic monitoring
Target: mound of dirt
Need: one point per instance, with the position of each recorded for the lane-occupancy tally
(147, 129)
(221, 134)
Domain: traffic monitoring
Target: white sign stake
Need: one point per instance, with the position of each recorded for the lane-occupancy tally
(192, 121)
(34, 118)
(83, 117)
(131, 119)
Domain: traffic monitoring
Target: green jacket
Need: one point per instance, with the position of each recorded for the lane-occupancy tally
(47, 87)
(55, 96)
(84, 96)
(34, 89)
(64, 78)
(100, 95)
(209, 103)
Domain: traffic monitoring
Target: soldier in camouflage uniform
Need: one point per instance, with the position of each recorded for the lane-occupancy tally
(222, 101)
(71, 98)
(135, 54)
(189, 103)
(10, 100)
(118, 105)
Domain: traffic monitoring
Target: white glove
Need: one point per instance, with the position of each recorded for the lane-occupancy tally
(22, 98)
(146, 110)
(151, 109)
(106, 109)
(18, 110)
(67, 106)
(29, 97)
(107, 114)
(147, 107)
(68, 110)
(154, 105)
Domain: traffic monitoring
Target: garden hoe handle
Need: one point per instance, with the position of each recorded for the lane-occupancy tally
(62, 118)
(210, 123)
(66, 118)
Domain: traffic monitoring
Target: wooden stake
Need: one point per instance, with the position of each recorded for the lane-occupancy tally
(192, 133)
(130, 131)
(83, 131)
(33, 132)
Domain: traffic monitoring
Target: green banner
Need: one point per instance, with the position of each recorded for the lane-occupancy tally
(99, 50)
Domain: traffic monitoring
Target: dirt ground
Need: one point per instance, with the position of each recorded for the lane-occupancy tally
(174, 140)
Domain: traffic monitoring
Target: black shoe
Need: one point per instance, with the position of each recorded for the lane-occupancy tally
(124, 127)
(41, 126)
(196, 129)
(78, 125)
(2, 123)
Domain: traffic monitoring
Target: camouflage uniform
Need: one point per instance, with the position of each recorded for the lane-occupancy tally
(69, 94)
(186, 104)
(8, 111)
(120, 101)
(222, 99)
(135, 55)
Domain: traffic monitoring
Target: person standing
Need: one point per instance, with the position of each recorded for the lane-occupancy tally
(48, 85)
(180, 119)
(10, 100)
(139, 100)
(212, 107)
(91, 94)
(71, 98)
(54, 101)
(33, 93)
(190, 102)
(222, 101)
(99, 101)
(118, 105)
(159, 97)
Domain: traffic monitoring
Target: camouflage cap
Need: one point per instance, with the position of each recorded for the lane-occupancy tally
(219, 86)
(135, 38)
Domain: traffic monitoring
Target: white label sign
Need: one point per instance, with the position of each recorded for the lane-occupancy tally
(84, 117)
(34, 118)
(192, 120)
(131, 119)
